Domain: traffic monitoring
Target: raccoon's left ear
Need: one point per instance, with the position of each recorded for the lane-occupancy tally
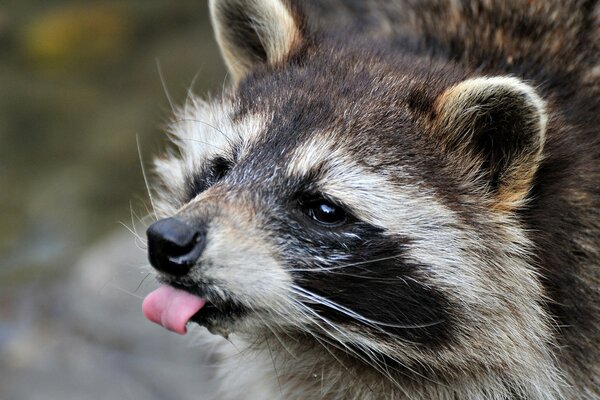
(251, 32)
(494, 128)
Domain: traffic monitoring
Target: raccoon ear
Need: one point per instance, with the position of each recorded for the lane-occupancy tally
(250, 32)
(495, 127)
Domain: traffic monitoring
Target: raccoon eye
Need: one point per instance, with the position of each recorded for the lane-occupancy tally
(220, 168)
(326, 213)
(200, 182)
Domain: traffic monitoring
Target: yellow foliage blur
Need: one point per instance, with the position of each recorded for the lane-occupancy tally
(77, 37)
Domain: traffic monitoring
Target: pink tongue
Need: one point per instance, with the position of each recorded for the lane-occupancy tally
(172, 308)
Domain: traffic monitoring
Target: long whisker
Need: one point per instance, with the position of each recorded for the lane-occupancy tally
(137, 140)
(142, 282)
(136, 236)
(352, 314)
(336, 267)
(367, 278)
(180, 120)
(223, 84)
(122, 290)
(324, 343)
(274, 367)
(276, 336)
(380, 366)
(164, 85)
(190, 91)
(133, 226)
(346, 349)
(200, 141)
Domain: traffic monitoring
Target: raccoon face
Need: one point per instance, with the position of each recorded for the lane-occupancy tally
(353, 199)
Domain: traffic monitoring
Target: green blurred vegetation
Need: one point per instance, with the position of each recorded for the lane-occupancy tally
(78, 82)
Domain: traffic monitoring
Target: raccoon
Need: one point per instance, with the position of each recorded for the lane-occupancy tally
(393, 199)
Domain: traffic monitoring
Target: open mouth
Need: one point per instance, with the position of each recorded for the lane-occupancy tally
(173, 308)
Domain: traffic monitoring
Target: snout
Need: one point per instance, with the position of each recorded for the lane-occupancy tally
(175, 246)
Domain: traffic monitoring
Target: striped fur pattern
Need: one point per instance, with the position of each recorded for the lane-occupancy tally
(461, 139)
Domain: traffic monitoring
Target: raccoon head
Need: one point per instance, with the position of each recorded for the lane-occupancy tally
(356, 198)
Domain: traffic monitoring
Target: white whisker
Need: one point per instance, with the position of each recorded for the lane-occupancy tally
(336, 267)
(164, 85)
(137, 140)
(354, 315)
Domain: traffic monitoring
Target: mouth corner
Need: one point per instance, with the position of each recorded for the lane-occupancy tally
(219, 317)
(172, 308)
(213, 320)
(174, 305)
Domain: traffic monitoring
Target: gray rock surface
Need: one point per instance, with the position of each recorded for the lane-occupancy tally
(85, 337)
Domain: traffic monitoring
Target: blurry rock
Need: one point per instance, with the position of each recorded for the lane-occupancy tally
(90, 340)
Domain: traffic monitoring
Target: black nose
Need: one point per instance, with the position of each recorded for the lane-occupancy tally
(174, 246)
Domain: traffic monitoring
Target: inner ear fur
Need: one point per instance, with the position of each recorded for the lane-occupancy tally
(251, 32)
(495, 129)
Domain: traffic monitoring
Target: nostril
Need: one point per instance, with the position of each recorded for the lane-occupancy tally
(190, 253)
(180, 248)
(174, 246)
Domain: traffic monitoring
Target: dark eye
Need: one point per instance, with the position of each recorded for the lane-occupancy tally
(220, 168)
(202, 181)
(326, 213)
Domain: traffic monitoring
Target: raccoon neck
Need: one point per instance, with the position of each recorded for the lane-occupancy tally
(303, 370)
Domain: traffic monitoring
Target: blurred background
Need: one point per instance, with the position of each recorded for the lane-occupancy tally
(79, 82)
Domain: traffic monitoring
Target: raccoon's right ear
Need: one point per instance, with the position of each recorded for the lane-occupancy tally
(494, 129)
(251, 32)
